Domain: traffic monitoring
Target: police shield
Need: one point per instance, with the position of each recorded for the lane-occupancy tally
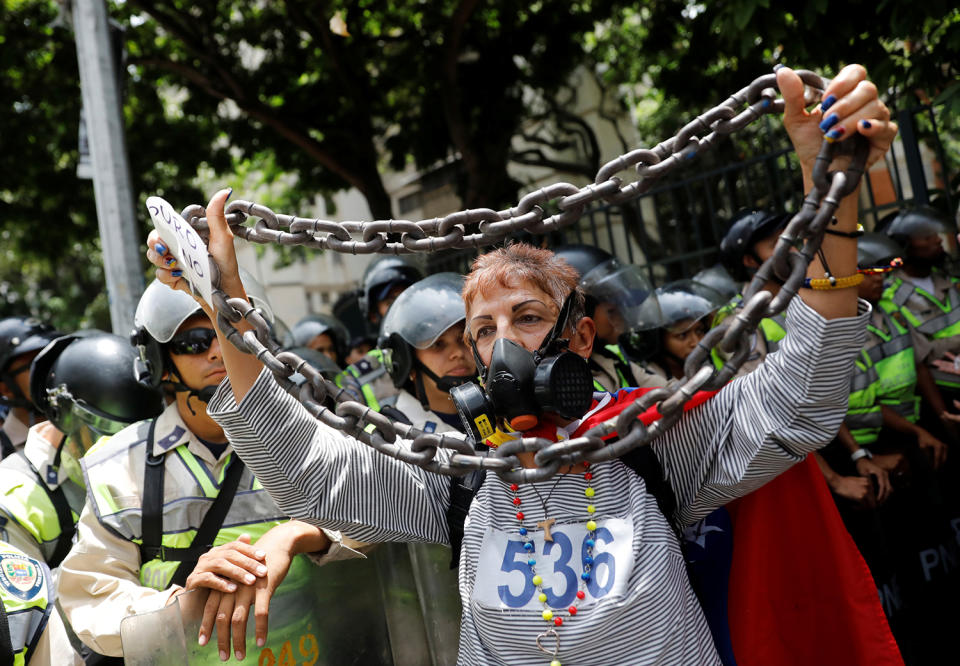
(319, 615)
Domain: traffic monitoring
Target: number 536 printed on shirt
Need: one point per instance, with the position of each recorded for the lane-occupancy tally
(504, 578)
(185, 244)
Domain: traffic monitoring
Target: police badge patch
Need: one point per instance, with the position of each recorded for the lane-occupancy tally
(20, 576)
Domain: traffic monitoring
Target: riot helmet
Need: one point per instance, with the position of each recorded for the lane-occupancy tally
(311, 326)
(326, 366)
(380, 277)
(747, 228)
(627, 290)
(683, 304)
(87, 381)
(877, 255)
(719, 279)
(583, 258)
(924, 233)
(160, 312)
(877, 250)
(20, 336)
(416, 320)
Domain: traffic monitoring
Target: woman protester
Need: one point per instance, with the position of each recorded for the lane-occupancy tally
(583, 567)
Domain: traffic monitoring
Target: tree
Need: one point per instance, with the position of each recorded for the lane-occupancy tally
(694, 54)
(408, 81)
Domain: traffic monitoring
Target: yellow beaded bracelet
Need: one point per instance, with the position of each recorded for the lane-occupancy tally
(824, 284)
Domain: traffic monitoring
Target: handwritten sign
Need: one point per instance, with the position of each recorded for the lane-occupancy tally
(185, 244)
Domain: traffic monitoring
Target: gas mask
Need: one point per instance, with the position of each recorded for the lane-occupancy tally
(519, 386)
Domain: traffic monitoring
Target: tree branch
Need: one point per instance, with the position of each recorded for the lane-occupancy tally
(536, 157)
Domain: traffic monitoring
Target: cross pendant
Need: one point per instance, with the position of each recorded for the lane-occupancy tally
(546, 524)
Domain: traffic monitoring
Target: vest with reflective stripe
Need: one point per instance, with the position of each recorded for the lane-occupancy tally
(944, 325)
(896, 365)
(114, 473)
(369, 381)
(864, 416)
(115, 482)
(27, 502)
(624, 381)
(26, 591)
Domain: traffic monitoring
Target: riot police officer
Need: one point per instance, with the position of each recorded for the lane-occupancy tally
(927, 297)
(85, 385)
(749, 242)
(367, 379)
(163, 490)
(617, 298)
(686, 308)
(21, 339)
(322, 332)
(383, 280)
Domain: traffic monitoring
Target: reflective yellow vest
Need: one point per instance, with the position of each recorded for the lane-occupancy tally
(26, 589)
(28, 502)
(944, 325)
(369, 381)
(885, 375)
(114, 470)
(617, 351)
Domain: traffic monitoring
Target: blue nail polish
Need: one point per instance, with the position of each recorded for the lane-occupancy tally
(176, 273)
(834, 134)
(828, 102)
(829, 122)
(778, 66)
(865, 124)
(160, 248)
(229, 194)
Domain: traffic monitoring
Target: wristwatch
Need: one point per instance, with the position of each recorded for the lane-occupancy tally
(861, 453)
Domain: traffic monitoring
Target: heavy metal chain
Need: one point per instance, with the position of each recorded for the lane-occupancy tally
(483, 227)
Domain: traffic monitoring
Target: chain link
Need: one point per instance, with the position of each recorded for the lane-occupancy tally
(482, 227)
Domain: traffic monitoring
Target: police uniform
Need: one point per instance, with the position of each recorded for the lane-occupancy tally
(104, 579)
(31, 487)
(36, 633)
(608, 366)
(15, 430)
(935, 315)
(368, 381)
(885, 374)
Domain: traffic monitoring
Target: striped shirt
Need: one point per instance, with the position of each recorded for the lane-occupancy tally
(640, 608)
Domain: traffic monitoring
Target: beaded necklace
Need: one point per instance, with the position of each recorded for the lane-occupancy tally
(548, 614)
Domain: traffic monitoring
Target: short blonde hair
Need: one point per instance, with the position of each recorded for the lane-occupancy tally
(516, 263)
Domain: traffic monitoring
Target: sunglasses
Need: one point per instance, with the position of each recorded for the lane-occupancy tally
(875, 270)
(193, 341)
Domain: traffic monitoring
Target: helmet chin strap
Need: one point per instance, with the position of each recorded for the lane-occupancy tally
(203, 395)
(444, 383)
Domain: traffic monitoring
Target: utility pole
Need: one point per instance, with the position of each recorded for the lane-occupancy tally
(111, 170)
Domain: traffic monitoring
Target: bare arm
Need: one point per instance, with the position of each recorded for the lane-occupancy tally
(242, 368)
(856, 102)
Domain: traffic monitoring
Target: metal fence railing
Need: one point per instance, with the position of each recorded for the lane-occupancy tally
(674, 229)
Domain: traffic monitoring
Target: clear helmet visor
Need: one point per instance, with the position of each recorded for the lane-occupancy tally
(425, 310)
(684, 303)
(627, 289)
(162, 311)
